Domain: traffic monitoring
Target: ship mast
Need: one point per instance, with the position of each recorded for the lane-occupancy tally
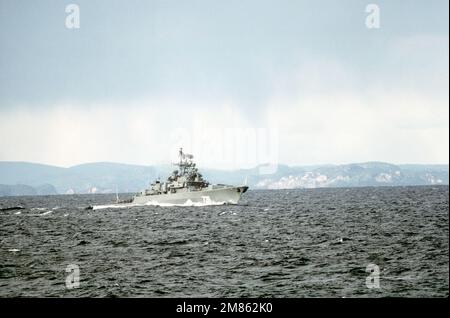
(181, 164)
(184, 161)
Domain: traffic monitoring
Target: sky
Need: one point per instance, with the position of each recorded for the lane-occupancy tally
(237, 83)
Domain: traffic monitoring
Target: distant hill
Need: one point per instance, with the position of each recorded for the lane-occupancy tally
(23, 178)
(102, 177)
(22, 189)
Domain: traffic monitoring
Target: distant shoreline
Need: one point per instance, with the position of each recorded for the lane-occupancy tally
(21, 178)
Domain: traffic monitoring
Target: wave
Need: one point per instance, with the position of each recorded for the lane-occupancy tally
(39, 209)
(113, 206)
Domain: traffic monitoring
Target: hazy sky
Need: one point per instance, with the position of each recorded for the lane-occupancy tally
(237, 82)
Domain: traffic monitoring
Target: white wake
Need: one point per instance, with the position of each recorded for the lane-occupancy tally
(206, 202)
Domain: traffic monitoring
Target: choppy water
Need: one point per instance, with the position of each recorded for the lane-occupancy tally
(286, 243)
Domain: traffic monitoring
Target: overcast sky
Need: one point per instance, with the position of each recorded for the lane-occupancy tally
(237, 82)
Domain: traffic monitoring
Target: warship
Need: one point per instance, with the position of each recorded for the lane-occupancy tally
(186, 186)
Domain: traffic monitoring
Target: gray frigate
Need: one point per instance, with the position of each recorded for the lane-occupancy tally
(186, 186)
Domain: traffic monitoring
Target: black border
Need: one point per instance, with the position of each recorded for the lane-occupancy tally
(280, 306)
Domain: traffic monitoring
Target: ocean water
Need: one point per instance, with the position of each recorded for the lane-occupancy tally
(280, 243)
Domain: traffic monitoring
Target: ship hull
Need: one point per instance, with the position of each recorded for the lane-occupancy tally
(225, 195)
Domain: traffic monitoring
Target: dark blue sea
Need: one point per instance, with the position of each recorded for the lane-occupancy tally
(275, 243)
